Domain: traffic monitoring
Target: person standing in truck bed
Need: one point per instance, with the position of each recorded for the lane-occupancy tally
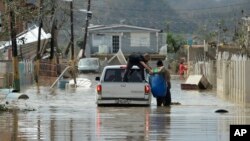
(138, 60)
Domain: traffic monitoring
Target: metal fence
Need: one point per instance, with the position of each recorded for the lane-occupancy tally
(25, 73)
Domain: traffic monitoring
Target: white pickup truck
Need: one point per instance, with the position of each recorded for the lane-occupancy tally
(111, 89)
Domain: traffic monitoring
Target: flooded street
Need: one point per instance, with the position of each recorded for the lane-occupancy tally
(72, 115)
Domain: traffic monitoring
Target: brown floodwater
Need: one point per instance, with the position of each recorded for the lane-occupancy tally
(72, 115)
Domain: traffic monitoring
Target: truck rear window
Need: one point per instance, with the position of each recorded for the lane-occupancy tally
(116, 75)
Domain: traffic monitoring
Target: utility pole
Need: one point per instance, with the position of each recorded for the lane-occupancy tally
(72, 42)
(88, 17)
(218, 38)
(38, 57)
(53, 28)
(72, 31)
(16, 84)
(248, 30)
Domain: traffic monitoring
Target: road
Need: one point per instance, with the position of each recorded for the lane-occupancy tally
(72, 115)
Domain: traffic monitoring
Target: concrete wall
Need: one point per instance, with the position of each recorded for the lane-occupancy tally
(157, 40)
(125, 44)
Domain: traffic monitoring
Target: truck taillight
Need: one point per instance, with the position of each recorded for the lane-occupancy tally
(147, 89)
(99, 89)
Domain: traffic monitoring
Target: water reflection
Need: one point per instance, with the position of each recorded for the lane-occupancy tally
(123, 123)
(160, 120)
(9, 126)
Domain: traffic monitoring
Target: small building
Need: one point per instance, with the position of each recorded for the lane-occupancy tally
(130, 39)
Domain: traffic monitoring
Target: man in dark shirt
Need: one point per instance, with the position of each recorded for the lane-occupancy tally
(138, 60)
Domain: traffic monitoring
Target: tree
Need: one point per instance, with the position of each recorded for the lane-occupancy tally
(55, 17)
(175, 42)
(24, 13)
(240, 34)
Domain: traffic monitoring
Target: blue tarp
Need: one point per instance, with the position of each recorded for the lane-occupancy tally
(158, 85)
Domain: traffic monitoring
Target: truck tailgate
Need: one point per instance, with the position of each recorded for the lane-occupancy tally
(123, 90)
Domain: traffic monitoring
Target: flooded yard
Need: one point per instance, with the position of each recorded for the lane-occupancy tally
(72, 115)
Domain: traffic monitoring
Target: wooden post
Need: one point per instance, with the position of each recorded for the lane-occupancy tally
(53, 28)
(38, 57)
(16, 82)
(72, 43)
(72, 31)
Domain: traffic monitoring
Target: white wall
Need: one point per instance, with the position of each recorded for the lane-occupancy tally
(233, 79)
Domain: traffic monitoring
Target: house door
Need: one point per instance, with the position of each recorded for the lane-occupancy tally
(115, 44)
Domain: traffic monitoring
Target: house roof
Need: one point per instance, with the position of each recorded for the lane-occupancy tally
(27, 37)
(102, 27)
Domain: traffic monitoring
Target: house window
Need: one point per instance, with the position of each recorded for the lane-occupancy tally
(98, 39)
(115, 44)
(140, 39)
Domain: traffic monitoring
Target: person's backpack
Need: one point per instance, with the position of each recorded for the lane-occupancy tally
(158, 84)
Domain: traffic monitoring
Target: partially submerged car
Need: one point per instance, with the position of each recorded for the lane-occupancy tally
(89, 65)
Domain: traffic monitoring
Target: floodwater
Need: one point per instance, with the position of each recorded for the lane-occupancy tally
(72, 115)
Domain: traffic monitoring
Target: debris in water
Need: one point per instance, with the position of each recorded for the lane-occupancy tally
(20, 105)
(221, 111)
(175, 103)
(3, 107)
(194, 82)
